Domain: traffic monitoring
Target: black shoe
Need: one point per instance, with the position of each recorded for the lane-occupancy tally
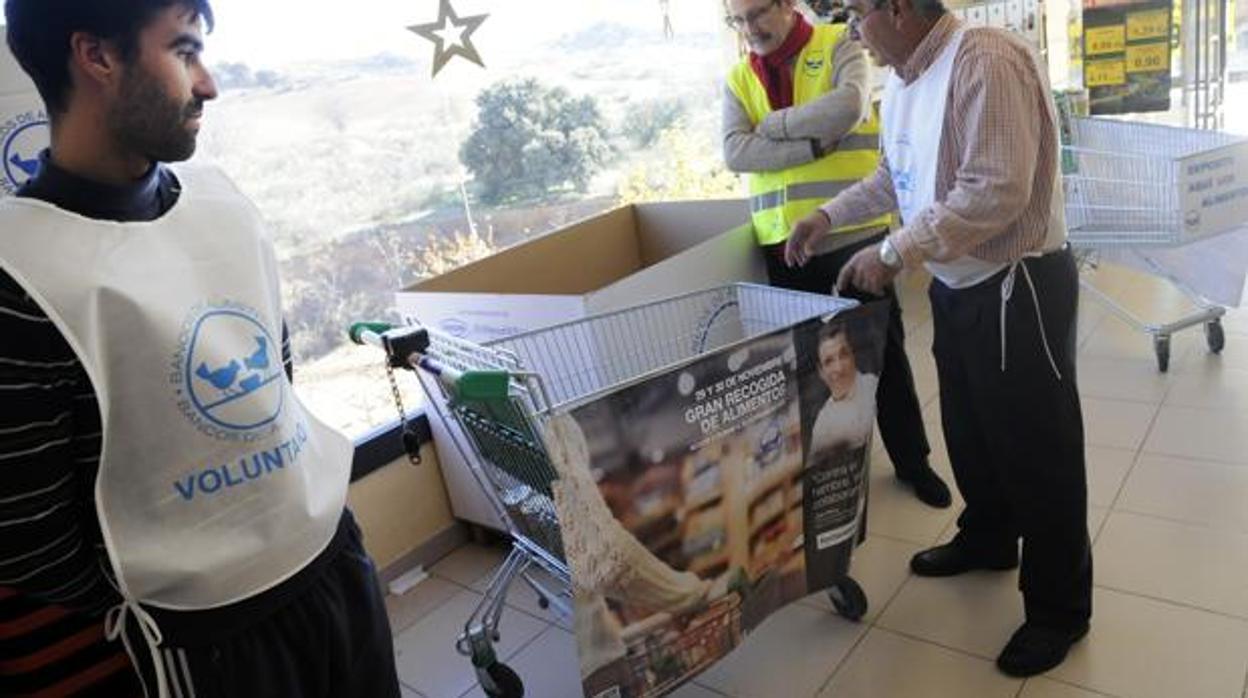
(1034, 649)
(954, 558)
(928, 487)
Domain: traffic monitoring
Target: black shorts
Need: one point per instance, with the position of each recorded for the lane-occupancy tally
(323, 634)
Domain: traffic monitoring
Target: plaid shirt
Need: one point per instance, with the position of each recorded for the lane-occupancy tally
(997, 161)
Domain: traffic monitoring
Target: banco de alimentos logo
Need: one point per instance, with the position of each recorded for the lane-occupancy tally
(22, 137)
(228, 374)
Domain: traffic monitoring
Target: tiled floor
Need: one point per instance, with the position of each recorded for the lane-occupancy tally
(1168, 488)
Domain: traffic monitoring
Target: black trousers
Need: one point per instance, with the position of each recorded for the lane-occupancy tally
(331, 640)
(899, 413)
(1015, 436)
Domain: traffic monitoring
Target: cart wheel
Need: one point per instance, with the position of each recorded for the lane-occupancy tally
(543, 602)
(499, 681)
(1161, 345)
(1215, 336)
(848, 599)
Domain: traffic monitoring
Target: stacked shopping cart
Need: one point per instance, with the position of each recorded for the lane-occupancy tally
(1134, 188)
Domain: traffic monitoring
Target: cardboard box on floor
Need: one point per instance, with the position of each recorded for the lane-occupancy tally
(625, 257)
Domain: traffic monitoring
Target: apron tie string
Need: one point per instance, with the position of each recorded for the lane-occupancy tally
(1007, 292)
(115, 627)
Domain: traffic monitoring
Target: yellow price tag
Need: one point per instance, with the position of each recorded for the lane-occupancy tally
(1152, 24)
(1148, 58)
(1100, 40)
(1104, 73)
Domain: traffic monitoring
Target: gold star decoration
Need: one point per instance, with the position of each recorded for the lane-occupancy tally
(434, 31)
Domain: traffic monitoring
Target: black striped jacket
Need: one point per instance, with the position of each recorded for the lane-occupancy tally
(53, 588)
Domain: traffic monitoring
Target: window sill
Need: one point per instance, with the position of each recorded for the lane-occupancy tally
(384, 445)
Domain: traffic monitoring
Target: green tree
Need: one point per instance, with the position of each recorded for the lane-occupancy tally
(529, 141)
(687, 167)
(646, 121)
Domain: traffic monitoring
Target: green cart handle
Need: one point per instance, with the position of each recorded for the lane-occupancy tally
(357, 330)
(468, 385)
(483, 385)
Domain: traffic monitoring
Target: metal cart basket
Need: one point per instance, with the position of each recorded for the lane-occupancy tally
(1132, 185)
(501, 394)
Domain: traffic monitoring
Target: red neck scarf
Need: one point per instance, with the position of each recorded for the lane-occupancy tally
(775, 70)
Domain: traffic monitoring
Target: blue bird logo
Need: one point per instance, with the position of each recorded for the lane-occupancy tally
(28, 167)
(221, 378)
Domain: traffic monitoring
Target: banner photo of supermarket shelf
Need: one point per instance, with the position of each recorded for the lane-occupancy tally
(1127, 56)
(735, 485)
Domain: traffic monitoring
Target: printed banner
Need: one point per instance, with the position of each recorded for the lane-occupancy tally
(1127, 56)
(734, 485)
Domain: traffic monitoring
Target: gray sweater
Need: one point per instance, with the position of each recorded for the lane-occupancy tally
(783, 139)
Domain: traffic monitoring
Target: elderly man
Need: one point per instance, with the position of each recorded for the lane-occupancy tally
(797, 118)
(970, 160)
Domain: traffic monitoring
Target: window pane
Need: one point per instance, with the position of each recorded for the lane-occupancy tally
(373, 175)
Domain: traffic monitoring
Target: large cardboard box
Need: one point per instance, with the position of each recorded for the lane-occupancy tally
(625, 257)
(620, 258)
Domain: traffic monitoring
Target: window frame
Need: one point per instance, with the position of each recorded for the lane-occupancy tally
(384, 445)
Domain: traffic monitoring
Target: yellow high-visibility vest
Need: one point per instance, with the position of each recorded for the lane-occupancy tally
(781, 198)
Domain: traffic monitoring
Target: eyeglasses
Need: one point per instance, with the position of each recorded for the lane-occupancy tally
(737, 22)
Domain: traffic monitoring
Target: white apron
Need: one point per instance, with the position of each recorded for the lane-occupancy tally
(912, 118)
(913, 122)
(215, 484)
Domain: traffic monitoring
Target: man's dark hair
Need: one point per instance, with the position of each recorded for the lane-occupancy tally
(831, 331)
(929, 9)
(39, 33)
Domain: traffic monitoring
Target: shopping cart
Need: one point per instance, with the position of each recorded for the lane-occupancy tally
(1126, 185)
(501, 395)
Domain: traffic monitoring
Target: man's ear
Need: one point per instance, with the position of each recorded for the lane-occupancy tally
(94, 59)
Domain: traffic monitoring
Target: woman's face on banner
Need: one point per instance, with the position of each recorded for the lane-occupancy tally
(836, 365)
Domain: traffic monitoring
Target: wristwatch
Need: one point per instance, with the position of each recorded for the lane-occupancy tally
(889, 255)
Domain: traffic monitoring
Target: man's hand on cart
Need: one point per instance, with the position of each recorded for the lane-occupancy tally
(866, 271)
(806, 233)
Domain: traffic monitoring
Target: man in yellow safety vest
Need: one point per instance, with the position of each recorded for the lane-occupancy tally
(798, 120)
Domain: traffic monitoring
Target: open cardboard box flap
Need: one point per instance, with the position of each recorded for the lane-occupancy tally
(590, 254)
(624, 257)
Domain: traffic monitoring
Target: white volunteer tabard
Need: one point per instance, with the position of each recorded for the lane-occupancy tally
(912, 119)
(215, 484)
